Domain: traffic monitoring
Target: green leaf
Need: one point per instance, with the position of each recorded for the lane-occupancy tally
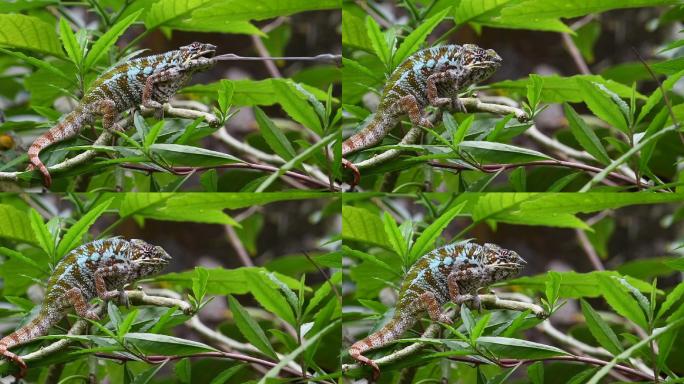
(602, 104)
(371, 259)
(585, 135)
(74, 235)
(359, 224)
(199, 283)
(222, 281)
(268, 296)
(354, 32)
(225, 95)
(558, 89)
(43, 235)
(377, 40)
(621, 301)
(127, 323)
(71, 46)
(183, 370)
(274, 137)
(250, 329)
(536, 372)
(505, 347)
(671, 299)
(177, 155)
(30, 33)
(108, 39)
(224, 376)
(600, 329)
(657, 95)
(492, 152)
(20, 256)
(273, 372)
(147, 375)
(154, 344)
(166, 11)
(265, 9)
(462, 128)
(297, 160)
(534, 89)
(414, 40)
(41, 64)
(426, 240)
(552, 287)
(570, 9)
(396, 239)
(296, 105)
(14, 225)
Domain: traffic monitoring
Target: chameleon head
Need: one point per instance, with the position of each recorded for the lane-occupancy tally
(479, 62)
(197, 51)
(148, 259)
(501, 263)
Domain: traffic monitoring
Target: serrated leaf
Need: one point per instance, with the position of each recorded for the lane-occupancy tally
(602, 105)
(377, 39)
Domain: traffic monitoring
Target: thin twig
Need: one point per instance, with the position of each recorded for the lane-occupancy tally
(235, 242)
(259, 167)
(493, 168)
(575, 54)
(261, 49)
(589, 250)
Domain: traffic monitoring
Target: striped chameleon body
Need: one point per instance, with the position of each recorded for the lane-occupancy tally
(452, 273)
(432, 76)
(97, 269)
(149, 81)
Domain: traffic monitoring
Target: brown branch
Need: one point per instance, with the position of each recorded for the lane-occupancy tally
(508, 363)
(493, 168)
(158, 359)
(259, 167)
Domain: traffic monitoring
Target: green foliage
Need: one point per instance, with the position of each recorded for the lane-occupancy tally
(259, 300)
(610, 316)
(165, 155)
(611, 140)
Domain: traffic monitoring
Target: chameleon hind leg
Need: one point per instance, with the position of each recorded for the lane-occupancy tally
(451, 77)
(15, 359)
(431, 305)
(75, 297)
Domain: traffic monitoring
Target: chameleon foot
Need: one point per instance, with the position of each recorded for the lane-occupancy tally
(357, 175)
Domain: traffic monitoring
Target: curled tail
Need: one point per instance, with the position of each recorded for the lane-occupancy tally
(399, 324)
(374, 129)
(67, 128)
(35, 328)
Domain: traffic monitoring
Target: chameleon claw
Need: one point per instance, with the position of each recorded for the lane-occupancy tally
(357, 175)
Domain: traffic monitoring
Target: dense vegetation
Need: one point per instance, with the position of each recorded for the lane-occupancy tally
(599, 118)
(280, 116)
(617, 319)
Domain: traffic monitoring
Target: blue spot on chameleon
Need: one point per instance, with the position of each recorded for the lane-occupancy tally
(133, 72)
(431, 63)
(147, 70)
(448, 260)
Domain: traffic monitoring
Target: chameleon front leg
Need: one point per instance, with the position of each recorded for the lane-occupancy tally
(101, 286)
(433, 95)
(457, 297)
(430, 303)
(75, 297)
(148, 90)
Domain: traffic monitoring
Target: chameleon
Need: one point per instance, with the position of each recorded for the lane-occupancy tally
(432, 76)
(453, 273)
(98, 269)
(149, 81)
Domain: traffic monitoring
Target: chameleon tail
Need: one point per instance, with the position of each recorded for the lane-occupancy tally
(374, 129)
(67, 128)
(35, 328)
(390, 332)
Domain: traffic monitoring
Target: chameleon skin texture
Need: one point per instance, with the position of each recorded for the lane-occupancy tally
(97, 269)
(454, 273)
(149, 81)
(432, 76)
